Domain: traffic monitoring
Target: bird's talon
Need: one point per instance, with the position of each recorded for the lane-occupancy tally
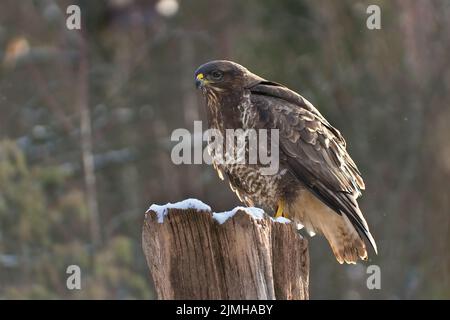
(280, 210)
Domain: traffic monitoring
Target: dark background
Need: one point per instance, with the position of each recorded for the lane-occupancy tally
(86, 118)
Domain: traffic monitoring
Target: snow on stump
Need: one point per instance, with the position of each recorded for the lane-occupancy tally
(193, 253)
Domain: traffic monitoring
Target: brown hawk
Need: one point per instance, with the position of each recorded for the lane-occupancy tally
(317, 182)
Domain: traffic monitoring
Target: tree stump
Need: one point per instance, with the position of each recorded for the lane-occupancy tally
(191, 255)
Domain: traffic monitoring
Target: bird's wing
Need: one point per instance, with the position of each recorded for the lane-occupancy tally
(315, 150)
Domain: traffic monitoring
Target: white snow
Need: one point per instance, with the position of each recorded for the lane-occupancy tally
(256, 213)
(161, 211)
(220, 217)
(281, 220)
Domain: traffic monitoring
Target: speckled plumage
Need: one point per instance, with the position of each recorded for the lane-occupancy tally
(246, 180)
(317, 179)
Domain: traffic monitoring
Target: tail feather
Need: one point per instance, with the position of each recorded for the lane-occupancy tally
(346, 242)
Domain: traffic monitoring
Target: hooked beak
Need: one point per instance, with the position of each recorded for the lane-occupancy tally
(200, 81)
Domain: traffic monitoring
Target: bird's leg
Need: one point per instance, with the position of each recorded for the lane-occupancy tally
(280, 210)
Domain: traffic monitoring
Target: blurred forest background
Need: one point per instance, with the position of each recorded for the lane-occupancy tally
(86, 118)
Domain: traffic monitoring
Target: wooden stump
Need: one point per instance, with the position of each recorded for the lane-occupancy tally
(192, 256)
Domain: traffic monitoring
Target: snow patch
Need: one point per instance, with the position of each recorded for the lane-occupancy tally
(255, 213)
(281, 220)
(221, 217)
(161, 211)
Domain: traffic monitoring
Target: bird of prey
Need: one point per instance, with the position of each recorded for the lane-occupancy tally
(317, 183)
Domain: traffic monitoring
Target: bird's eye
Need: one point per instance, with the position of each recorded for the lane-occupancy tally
(216, 75)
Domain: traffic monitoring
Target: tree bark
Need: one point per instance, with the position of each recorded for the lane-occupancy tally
(191, 256)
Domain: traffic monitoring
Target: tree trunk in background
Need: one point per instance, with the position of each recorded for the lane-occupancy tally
(191, 256)
(87, 143)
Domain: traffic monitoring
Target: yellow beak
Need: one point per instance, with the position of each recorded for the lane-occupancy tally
(200, 80)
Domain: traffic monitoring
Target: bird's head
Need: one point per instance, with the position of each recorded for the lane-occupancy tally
(223, 75)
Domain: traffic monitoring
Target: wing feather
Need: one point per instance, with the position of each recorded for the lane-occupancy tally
(315, 150)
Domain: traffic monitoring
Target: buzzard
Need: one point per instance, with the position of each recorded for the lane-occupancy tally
(317, 183)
